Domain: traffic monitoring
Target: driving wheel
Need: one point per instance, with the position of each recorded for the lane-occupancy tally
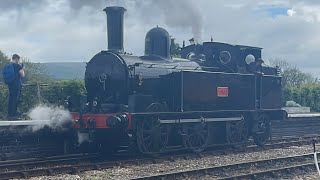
(237, 132)
(195, 136)
(152, 136)
(263, 133)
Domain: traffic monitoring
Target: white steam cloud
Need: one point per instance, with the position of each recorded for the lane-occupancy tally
(55, 117)
(82, 137)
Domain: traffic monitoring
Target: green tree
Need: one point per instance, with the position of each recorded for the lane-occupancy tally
(175, 48)
(298, 86)
(3, 61)
(35, 72)
(291, 75)
(58, 91)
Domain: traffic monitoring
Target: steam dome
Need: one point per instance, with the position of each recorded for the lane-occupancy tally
(157, 43)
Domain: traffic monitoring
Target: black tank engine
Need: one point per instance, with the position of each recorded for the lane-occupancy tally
(158, 103)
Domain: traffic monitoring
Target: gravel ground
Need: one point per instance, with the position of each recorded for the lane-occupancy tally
(308, 176)
(181, 165)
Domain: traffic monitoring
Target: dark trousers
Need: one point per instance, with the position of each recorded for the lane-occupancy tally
(14, 97)
(258, 90)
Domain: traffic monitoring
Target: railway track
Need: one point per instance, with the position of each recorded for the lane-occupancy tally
(78, 163)
(295, 127)
(18, 150)
(27, 151)
(284, 135)
(246, 170)
(17, 143)
(48, 161)
(21, 142)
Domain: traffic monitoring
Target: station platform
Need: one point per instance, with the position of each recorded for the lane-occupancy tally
(304, 115)
(24, 122)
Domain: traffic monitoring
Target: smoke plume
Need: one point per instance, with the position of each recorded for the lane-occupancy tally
(176, 13)
(52, 116)
(29, 24)
(182, 14)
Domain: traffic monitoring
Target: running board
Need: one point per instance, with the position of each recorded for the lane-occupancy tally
(176, 121)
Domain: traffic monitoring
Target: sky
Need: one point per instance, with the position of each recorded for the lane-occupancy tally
(75, 30)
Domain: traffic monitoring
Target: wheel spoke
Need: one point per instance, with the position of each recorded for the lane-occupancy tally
(264, 131)
(147, 132)
(148, 145)
(237, 132)
(146, 139)
(196, 136)
(202, 139)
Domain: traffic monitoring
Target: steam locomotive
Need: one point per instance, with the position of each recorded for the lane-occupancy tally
(155, 103)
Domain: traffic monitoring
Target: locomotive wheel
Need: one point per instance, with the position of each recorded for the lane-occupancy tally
(195, 136)
(152, 136)
(70, 143)
(264, 133)
(237, 132)
(69, 147)
(156, 107)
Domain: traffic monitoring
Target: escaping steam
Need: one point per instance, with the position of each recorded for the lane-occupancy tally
(83, 137)
(54, 117)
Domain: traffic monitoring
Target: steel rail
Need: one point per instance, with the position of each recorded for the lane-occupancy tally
(305, 159)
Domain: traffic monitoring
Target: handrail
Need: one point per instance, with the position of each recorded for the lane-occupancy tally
(28, 84)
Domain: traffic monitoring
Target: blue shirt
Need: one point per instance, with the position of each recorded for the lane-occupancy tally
(17, 68)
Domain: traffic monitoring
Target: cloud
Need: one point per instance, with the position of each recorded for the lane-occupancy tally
(291, 12)
(273, 10)
(75, 30)
(310, 13)
(20, 5)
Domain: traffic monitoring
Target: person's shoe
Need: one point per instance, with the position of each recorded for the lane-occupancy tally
(10, 118)
(14, 118)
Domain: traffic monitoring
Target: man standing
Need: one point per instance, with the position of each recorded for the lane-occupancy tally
(12, 74)
(256, 66)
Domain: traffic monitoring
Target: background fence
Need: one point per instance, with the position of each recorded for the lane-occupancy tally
(34, 94)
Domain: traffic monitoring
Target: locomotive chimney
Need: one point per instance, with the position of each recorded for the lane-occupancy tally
(115, 28)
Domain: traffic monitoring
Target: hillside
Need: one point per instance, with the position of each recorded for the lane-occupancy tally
(65, 70)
